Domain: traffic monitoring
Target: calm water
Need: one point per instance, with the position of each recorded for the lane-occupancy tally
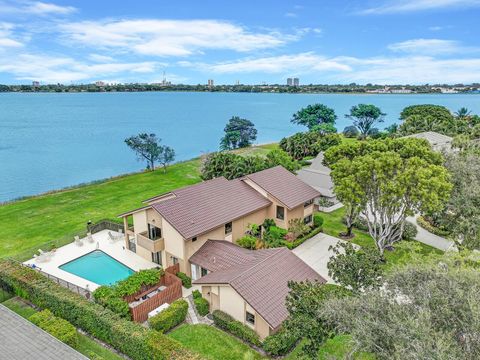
(98, 267)
(50, 141)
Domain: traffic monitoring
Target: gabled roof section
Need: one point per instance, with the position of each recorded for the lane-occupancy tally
(432, 137)
(284, 186)
(197, 209)
(261, 278)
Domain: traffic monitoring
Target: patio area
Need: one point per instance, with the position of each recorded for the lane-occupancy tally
(51, 263)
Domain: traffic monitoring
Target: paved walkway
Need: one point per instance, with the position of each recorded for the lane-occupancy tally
(428, 238)
(20, 340)
(192, 315)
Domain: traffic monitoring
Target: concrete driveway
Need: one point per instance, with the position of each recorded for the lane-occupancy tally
(315, 253)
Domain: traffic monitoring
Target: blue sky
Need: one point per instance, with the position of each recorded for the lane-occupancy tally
(321, 42)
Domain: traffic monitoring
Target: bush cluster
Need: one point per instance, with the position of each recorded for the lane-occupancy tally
(317, 220)
(57, 327)
(280, 343)
(430, 228)
(111, 296)
(232, 166)
(201, 304)
(248, 242)
(186, 281)
(228, 323)
(129, 338)
(409, 231)
(301, 145)
(172, 316)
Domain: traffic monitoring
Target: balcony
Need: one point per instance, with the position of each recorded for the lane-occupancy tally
(151, 245)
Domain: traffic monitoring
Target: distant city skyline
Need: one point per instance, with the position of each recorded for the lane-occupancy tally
(191, 42)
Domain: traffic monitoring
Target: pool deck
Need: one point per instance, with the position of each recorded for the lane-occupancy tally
(72, 251)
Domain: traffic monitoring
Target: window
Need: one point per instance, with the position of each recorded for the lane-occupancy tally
(228, 228)
(154, 232)
(203, 271)
(307, 219)
(194, 239)
(174, 260)
(280, 213)
(308, 203)
(157, 257)
(250, 318)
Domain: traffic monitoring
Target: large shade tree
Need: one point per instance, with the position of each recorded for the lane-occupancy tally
(148, 147)
(365, 117)
(314, 116)
(388, 180)
(423, 311)
(239, 133)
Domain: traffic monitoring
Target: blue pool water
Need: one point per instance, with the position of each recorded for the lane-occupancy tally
(98, 267)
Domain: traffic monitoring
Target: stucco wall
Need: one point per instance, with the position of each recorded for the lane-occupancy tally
(140, 221)
(174, 242)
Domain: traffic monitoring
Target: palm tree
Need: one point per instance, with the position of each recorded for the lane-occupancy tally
(462, 113)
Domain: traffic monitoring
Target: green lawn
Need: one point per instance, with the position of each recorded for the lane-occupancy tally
(86, 346)
(28, 224)
(261, 150)
(336, 348)
(212, 343)
(403, 250)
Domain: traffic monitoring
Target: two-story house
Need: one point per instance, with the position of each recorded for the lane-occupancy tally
(171, 227)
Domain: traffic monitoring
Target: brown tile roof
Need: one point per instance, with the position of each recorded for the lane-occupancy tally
(261, 277)
(202, 207)
(284, 186)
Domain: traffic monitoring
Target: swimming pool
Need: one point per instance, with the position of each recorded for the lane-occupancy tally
(98, 267)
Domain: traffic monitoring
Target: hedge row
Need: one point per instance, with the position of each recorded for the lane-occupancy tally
(228, 323)
(174, 315)
(55, 326)
(280, 343)
(127, 337)
(186, 281)
(430, 228)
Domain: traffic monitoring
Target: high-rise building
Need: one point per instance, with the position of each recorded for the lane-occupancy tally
(296, 81)
(289, 82)
(210, 82)
(35, 83)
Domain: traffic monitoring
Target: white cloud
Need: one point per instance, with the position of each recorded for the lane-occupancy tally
(50, 69)
(6, 36)
(410, 70)
(37, 8)
(291, 15)
(171, 37)
(405, 6)
(298, 63)
(430, 47)
(101, 58)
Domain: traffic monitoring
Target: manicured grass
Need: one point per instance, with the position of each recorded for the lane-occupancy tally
(333, 226)
(86, 345)
(20, 307)
(261, 150)
(338, 347)
(29, 223)
(4, 296)
(212, 343)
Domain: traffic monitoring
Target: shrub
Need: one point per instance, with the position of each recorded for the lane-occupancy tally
(430, 228)
(248, 242)
(351, 132)
(228, 323)
(297, 228)
(203, 308)
(410, 231)
(317, 220)
(279, 157)
(186, 281)
(134, 282)
(170, 317)
(279, 343)
(325, 202)
(129, 338)
(196, 294)
(106, 296)
(327, 141)
(61, 329)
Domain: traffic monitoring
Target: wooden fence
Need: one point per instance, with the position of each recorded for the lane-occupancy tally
(172, 292)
